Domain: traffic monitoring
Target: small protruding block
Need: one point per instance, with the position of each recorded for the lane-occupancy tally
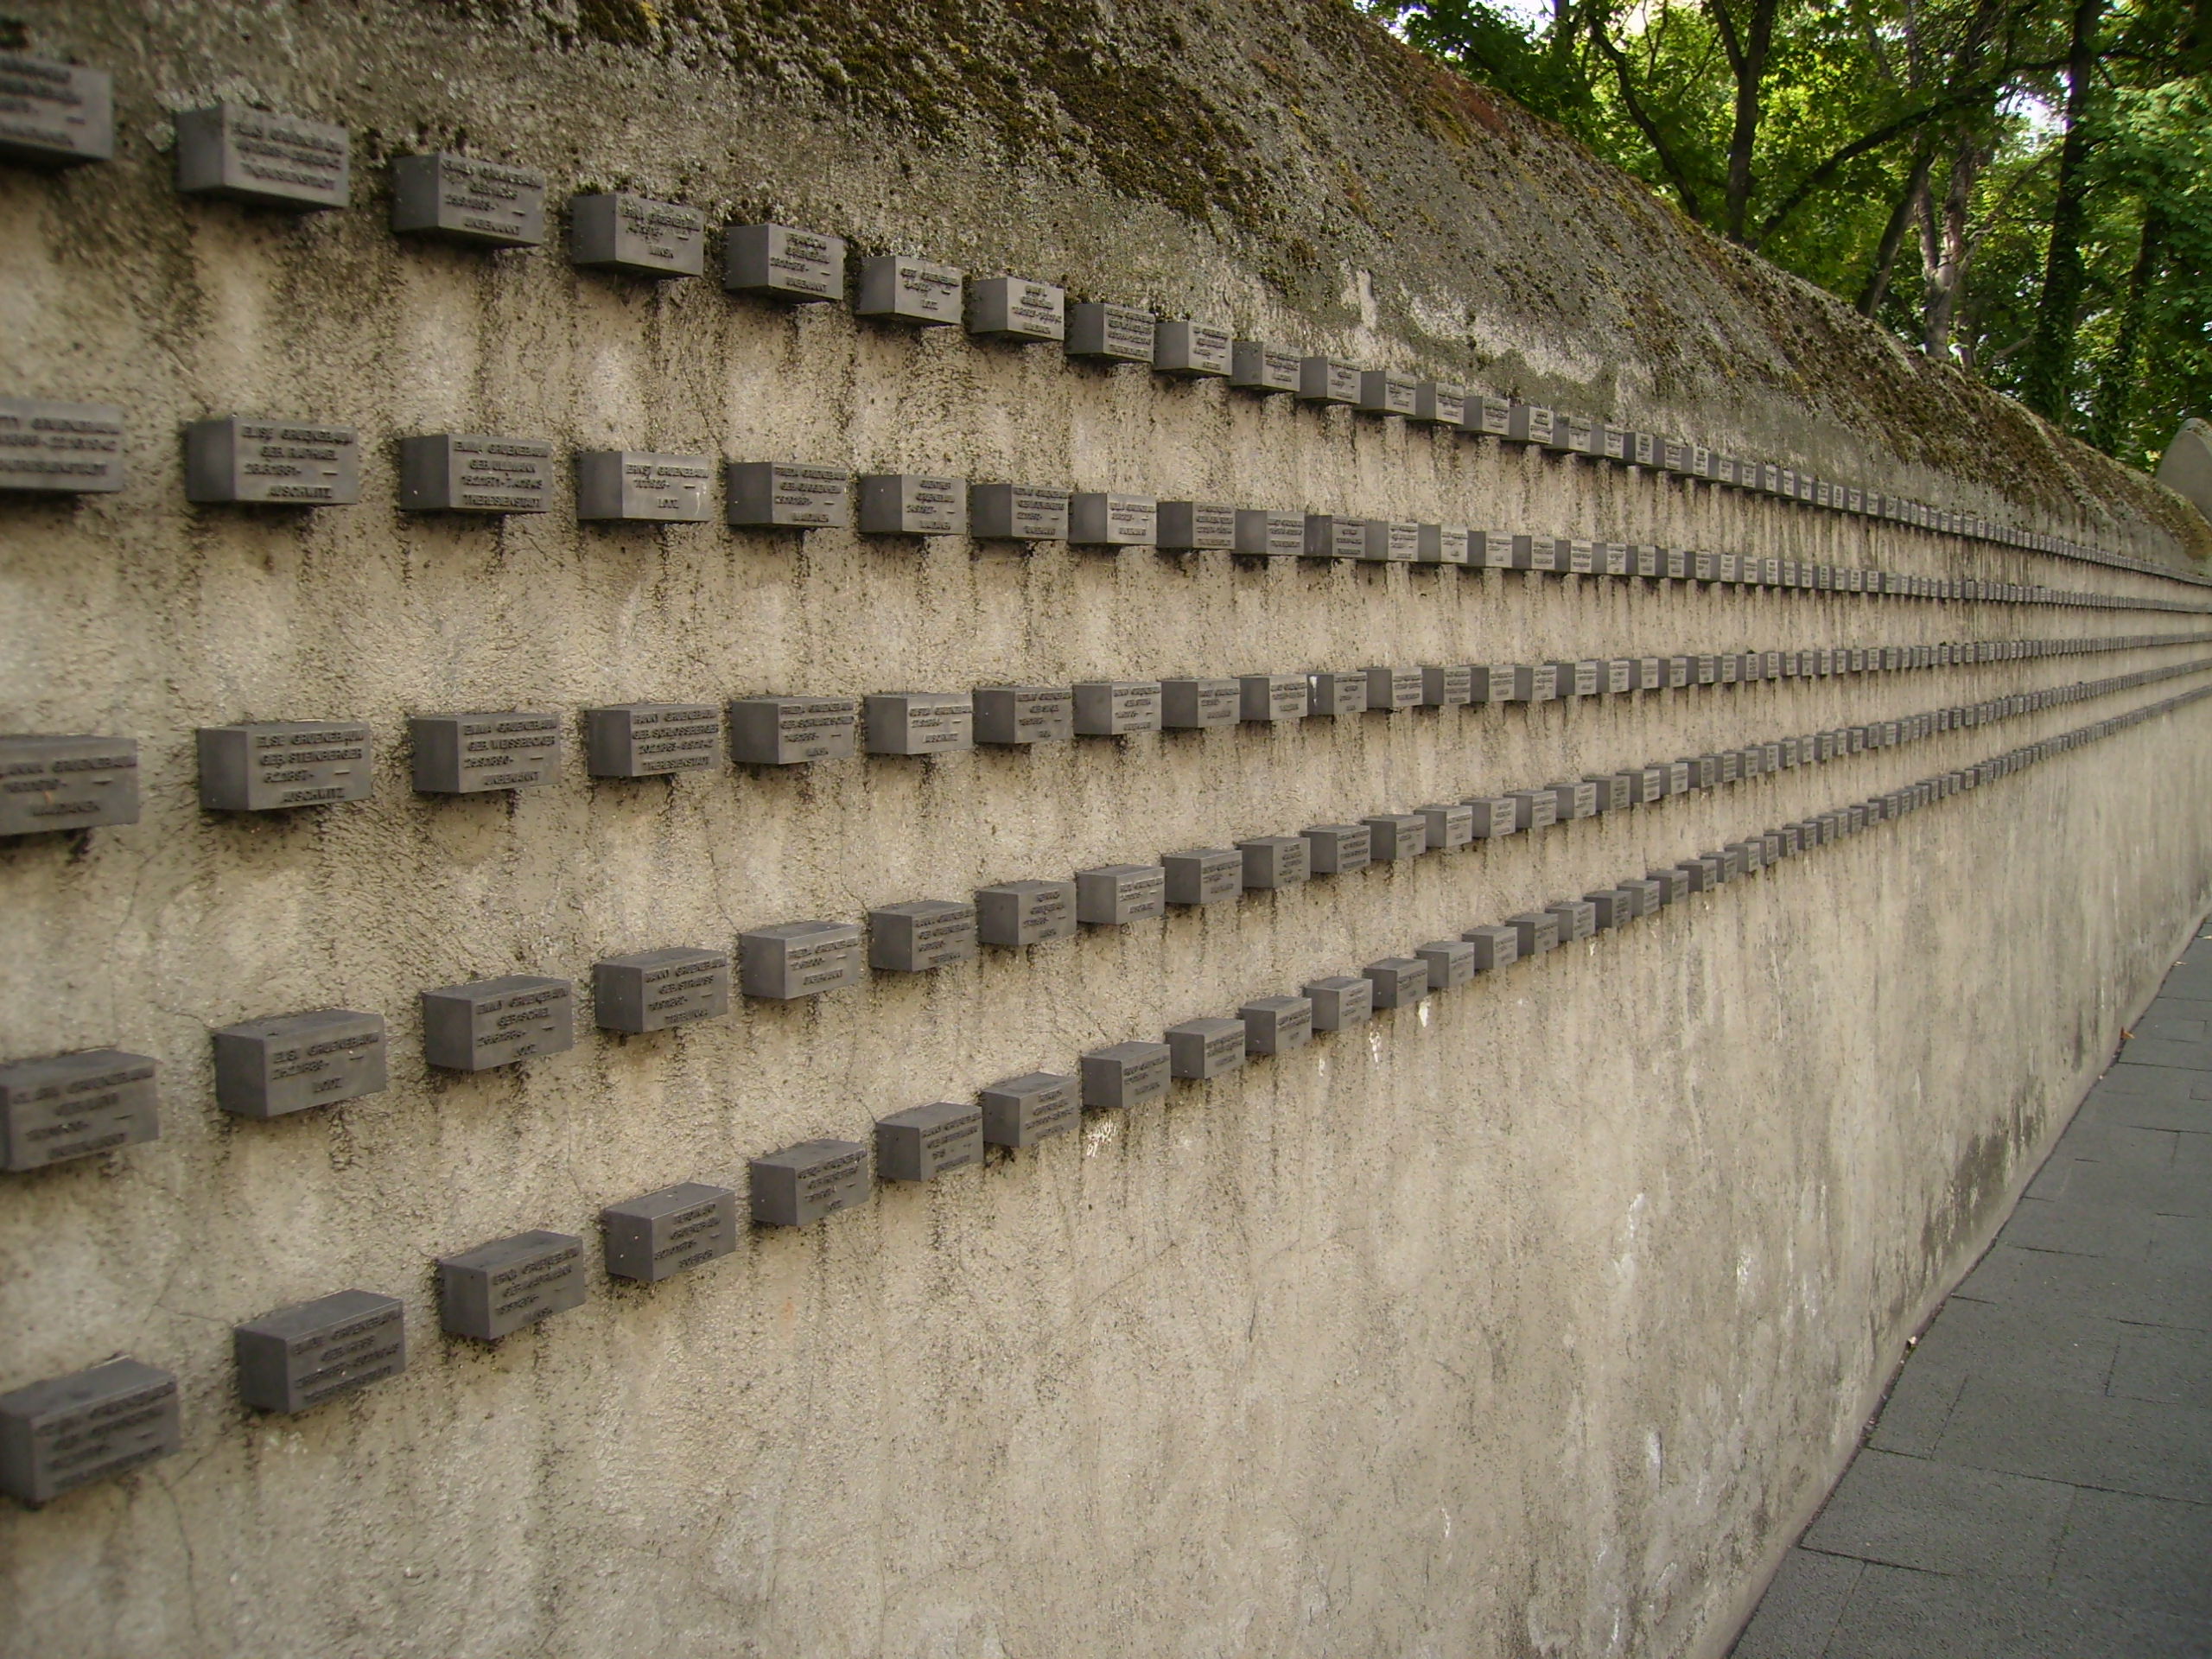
(475, 754)
(299, 1357)
(920, 936)
(786, 495)
(496, 1289)
(652, 990)
(468, 200)
(269, 1068)
(792, 731)
(1205, 876)
(1014, 914)
(1201, 1049)
(262, 159)
(922, 1142)
(1195, 704)
(662, 1234)
(1275, 860)
(75, 1105)
(919, 722)
(1337, 848)
(637, 236)
(1021, 1111)
(55, 115)
(1116, 708)
(1494, 947)
(1450, 963)
(493, 1022)
(640, 487)
(651, 740)
(781, 262)
(912, 504)
(245, 461)
(800, 1185)
(271, 765)
(1399, 981)
(1017, 512)
(474, 472)
(70, 1431)
(1340, 1000)
(1123, 1075)
(1116, 895)
(1015, 715)
(795, 959)
(1275, 1024)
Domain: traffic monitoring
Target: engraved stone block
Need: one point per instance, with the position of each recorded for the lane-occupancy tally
(640, 487)
(1535, 682)
(1256, 366)
(298, 1356)
(922, 1142)
(1492, 682)
(1335, 695)
(1116, 895)
(1262, 535)
(1617, 675)
(1578, 918)
(912, 504)
(1535, 932)
(55, 115)
(491, 1022)
(272, 462)
(1125, 1075)
(496, 1289)
(1444, 545)
(1205, 876)
(1338, 848)
(1534, 808)
(1110, 333)
(1528, 423)
(1274, 860)
(1023, 714)
(919, 722)
(1100, 519)
(918, 937)
(267, 1068)
(1449, 826)
(1190, 704)
(1116, 708)
(662, 1234)
(1017, 913)
(468, 200)
(1671, 884)
(1340, 1002)
(1572, 800)
(1446, 684)
(270, 765)
(651, 990)
(1021, 1111)
(268, 161)
(1196, 526)
(784, 495)
(800, 1185)
(1395, 835)
(1327, 380)
(1494, 948)
(470, 754)
(75, 1105)
(795, 959)
(1331, 536)
(1439, 404)
(637, 236)
(901, 289)
(1387, 541)
(779, 261)
(1501, 549)
(1450, 963)
(1017, 309)
(1648, 892)
(69, 1431)
(1200, 1048)
(1272, 696)
(1275, 1024)
(1183, 347)
(51, 449)
(650, 740)
(474, 472)
(1383, 392)
(1490, 418)
(1389, 689)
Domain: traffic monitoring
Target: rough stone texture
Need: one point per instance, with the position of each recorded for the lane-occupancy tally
(1534, 1321)
(2186, 467)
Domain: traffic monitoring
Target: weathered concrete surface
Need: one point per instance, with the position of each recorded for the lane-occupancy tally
(1533, 1325)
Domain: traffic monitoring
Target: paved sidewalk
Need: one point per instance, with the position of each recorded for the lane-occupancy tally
(2039, 1484)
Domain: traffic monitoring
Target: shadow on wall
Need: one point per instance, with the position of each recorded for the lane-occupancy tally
(2187, 467)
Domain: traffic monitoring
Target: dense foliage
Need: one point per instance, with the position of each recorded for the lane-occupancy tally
(2023, 188)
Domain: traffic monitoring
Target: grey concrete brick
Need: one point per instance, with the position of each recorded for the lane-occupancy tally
(2128, 1446)
(1801, 1607)
(1942, 1518)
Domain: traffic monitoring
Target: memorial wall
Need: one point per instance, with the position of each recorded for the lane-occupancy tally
(1062, 832)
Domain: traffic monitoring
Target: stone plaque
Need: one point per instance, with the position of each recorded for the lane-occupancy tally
(468, 200)
(1340, 1002)
(1578, 918)
(1262, 535)
(1328, 536)
(1008, 715)
(1492, 682)
(496, 1289)
(270, 765)
(1581, 436)
(1335, 695)
(1200, 1048)
(1448, 826)
(1447, 686)
(1275, 1024)
(1272, 696)
(784, 495)
(474, 472)
(800, 1185)
(651, 990)
(662, 1234)
(1383, 392)
(1395, 835)
(912, 504)
(1534, 931)
(1490, 418)
(1116, 708)
(268, 161)
(1534, 808)
(788, 731)
(1450, 963)
(492, 1022)
(1116, 895)
(1494, 948)
(1389, 689)
(1017, 309)
(1110, 333)
(1183, 347)
(1671, 885)
(1327, 380)
(472, 753)
(1190, 704)
(1196, 526)
(1337, 848)
(919, 722)
(272, 462)
(1205, 876)
(1021, 1111)
(795, 959)
(51, 449)
(641, 487)
(1616, 443)
(1609, 791)
(1494, 815)
(1439, 403)
(1099, 519)
(1528, 423)
(1387, 541)
(55, 114)
(1017, 913)
(1647, 892)
(650, 740)
(1125, 1075)
(298, 1356)
(69, 1431)
(900, 289)
(75, 1105)
(1444, 545)
(1274, 860)
(267, 1068)
(1572, 801)
(1535, 682)
(778, 262)
(916, 937)
(1256, 366)
(635, 235)
(922, 1142)
(1501, 549)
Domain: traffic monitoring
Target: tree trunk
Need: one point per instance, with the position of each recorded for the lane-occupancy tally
(2046, 369)
(1747, 54)
(2115, 398)
(1885, 257)
(1946, 250)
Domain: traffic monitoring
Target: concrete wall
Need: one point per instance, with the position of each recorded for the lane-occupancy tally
(1532, 1322)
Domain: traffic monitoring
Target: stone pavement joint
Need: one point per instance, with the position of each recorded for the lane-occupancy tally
(2039, 1482)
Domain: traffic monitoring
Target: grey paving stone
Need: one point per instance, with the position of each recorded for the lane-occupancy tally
(2135, 1292)
(1800, 1609)
(2181, 1244)
(2126, 1077)
(2161, 1051)
(1942, 1517)
(2078, 1228)
(2047, 1347)
(2126, 1551)
(2152, 1191)
(2193, 1151)
(2101, 1141)
(2184, 1022)
(2126, 1445)
(1895, 1613)
(2149, 1112)
(2174, 1367)
(1919, 1404)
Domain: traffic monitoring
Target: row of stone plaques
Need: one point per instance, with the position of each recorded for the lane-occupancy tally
(62, 115)
(55, 782)
(76, 1105)
(67, 1431)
